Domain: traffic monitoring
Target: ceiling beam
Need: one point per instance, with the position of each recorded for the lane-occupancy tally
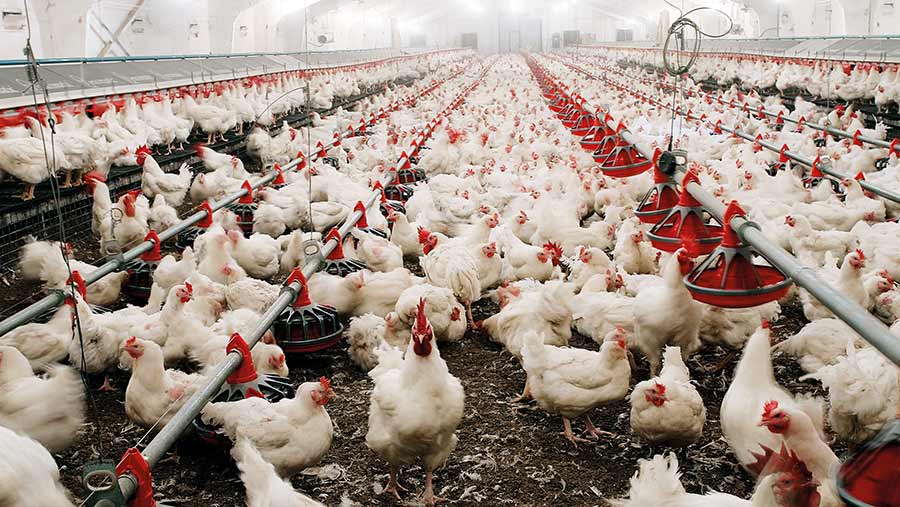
(124, 24)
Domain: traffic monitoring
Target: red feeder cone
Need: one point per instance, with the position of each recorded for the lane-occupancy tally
(244, 209)
(306, 326)
(660, 199)
(387, 203)
(685, 225)
(729, 278)
(595, 135)
(869, 477)
(243, 383)
(363, 224)
(336, 263)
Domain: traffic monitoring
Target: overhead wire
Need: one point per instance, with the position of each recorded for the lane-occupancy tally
(677, 35)
(50, 161)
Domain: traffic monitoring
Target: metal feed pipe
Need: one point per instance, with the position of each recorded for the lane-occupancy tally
(57, 296)
(854, 315)
(822, 165)
(170, 433)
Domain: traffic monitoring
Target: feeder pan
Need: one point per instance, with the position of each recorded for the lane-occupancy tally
(728, 277)
(244, 209)
(387, 203)
(583, 124)
(594, 136)
(410, 176)
(398, 192)
(685, 221)
(136, 288)
(186, 237)
(869, 478)
(816, 176)
(245, 382)
(363, 224)
(336, 263)
(619, 158)
(660, 199)
(305, 326)
(773, 168)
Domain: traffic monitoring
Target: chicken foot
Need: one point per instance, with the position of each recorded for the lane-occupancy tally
(107, 386)
(68, 182)
(469, 316)
(28, 193)
(209, 138)
(428, 495)
(526, 394)
(567, 432)
(593, 431)
(392, 485)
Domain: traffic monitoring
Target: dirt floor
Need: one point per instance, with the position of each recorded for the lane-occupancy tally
(508, 454)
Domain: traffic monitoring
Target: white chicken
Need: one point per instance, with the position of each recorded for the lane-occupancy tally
(415, 407)
(571, 382)
(291, 434)
(49, 410)
(668, 408)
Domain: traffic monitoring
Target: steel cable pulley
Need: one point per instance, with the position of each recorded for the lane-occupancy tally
(677, 34)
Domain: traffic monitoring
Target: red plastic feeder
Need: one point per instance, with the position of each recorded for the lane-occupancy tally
(397, 191)
(336, 263)
(869, 478)
(363, 223)
(559, 104)
(660, 199)
(244, 209)
(571, 115)
(186, 237)
(684, 224)
(595, 135)
(137, 287)
(620, 159)
(387, 203)
(245, 382)
(306, 327)
(729, 278)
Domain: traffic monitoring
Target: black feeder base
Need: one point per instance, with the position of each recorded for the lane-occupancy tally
(395, 205)
(244, 214)
(343, 267)
(136, 288)
(307, 329)
(400, 193)
(373, 231)
(186, 237)
(410, 176)
(273, 388)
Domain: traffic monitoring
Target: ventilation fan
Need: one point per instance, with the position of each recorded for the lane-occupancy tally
(13, 20)
(325, 37)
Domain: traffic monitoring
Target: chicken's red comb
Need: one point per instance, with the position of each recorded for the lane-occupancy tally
(326, 383)
(765, 324)
(769, 407)
(142, 149)
(522, 212)
(423, 234)
(131, 340)
(198, 149)
(422, 326)
(860, 254)
(660, 388)
(189, 287)
(553, 248)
